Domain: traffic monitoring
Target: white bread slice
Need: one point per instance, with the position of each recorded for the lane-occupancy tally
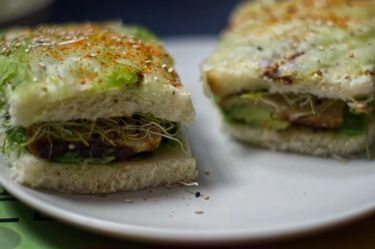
(89, 71)
(166, 103)
(167, 166)
(302, 140)
(325, 48)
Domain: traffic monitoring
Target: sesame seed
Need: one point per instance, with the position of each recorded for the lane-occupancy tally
(155, 78)
(318, 74)
(350, 54)
(42, 65)
(164, 66)
(206, 197)
(170, 70)
(71, 146)
(148, 61)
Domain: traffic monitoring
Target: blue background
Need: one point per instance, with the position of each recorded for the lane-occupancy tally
(164, 17)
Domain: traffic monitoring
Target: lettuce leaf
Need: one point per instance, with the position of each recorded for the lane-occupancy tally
(353, 124)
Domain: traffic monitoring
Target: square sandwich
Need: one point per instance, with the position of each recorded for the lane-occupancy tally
(297, 75)
(92, 108)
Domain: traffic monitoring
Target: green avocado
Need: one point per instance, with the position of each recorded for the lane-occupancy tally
(120, 77)
(255, 116)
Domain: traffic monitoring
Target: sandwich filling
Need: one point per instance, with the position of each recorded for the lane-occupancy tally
(83, 141)
(284, 111)
(88, 93)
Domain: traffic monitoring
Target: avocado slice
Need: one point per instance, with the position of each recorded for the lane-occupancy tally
(255, 116)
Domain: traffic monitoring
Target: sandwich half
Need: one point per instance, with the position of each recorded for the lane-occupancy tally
(92, 108)
(297, 75)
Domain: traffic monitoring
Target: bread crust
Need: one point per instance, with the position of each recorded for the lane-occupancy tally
(302, 140)
(167, 166)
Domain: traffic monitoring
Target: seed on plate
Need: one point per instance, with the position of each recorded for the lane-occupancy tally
(199, 211)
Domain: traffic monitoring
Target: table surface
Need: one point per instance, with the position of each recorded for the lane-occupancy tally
(21, 227)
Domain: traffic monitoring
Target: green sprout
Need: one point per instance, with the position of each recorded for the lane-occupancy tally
(108, 130)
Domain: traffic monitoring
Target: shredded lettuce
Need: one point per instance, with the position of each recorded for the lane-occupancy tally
(354, 124)
(137, 127)
(15, 140)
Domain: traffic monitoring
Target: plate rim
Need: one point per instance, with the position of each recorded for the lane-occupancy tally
(172, 236)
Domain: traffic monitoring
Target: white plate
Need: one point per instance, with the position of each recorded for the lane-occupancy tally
(254, 194)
